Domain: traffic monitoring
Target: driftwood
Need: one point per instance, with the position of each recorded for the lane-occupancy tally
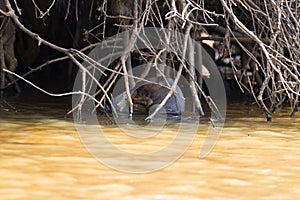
(265, 34)
(7, 53)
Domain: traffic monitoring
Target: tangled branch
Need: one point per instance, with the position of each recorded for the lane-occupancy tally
(258, 39)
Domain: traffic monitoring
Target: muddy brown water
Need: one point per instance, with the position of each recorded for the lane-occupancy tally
(42, 157)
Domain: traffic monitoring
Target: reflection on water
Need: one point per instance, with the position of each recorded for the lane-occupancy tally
(41, 157)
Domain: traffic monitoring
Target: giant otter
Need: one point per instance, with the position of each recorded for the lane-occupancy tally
(147, 96)
(151, 94)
